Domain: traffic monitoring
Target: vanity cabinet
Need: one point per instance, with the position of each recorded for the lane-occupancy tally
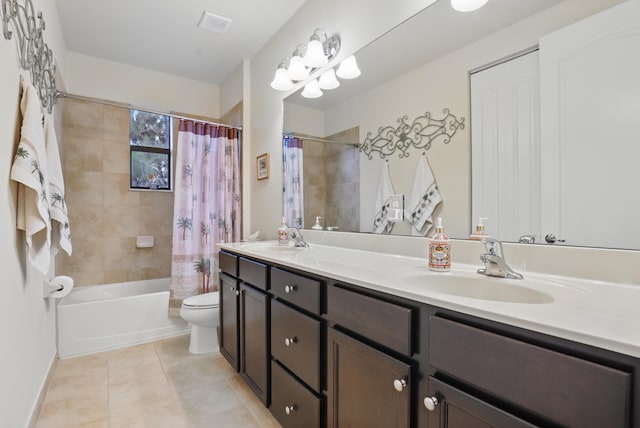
(244, 316)
(321, 353)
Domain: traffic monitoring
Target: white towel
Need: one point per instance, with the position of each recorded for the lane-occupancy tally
(29, 169)
(381, 223)
(423, 199)
(60, 230)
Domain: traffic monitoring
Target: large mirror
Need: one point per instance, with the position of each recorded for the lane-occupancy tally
(421, 67)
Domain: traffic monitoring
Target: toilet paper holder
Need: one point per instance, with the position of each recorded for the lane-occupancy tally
(57, 287)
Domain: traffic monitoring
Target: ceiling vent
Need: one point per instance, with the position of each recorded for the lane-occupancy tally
(211, 21)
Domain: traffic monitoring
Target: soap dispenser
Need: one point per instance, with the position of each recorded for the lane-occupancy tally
(479, 234)
(283, 233)
(317, 225)
(440, 250)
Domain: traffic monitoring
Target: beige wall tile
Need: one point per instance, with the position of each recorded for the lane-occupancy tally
(116, 124)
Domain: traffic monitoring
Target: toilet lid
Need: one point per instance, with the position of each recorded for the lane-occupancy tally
(203, 301)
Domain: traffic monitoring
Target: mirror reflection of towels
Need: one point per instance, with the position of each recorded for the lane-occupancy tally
(381, 222)
(423, 199)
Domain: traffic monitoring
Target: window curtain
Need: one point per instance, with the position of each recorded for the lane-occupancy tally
(206, 207)
(292, 193)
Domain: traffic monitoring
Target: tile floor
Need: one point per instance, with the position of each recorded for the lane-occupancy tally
(154, 385)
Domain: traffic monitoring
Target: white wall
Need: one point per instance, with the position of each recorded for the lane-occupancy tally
(357, 22)
(231, 91)
(98, 78)
(304, 120)
(27, 322)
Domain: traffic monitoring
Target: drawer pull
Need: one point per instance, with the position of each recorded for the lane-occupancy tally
(290, 409)
(399, 384)
(289, 288)
(235, 290)
(290, 341)
(431, 403)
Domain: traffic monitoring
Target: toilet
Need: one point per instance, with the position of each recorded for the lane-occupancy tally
(202, 313)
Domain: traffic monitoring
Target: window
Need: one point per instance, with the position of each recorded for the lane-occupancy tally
(150, 136)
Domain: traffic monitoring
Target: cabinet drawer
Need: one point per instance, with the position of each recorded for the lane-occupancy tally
(295, 342)
(292, 404)
(228, 263)
(253, 273)
(384, 322)
(296, 289)
(566, 390)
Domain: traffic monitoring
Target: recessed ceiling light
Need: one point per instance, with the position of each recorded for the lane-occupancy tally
(467, 5)
(212, 22)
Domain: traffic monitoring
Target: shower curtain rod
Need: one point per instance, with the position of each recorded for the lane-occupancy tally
(60, 94)
(288, 134)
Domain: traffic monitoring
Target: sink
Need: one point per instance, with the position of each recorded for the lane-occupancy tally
(271, 247)
(479, 287)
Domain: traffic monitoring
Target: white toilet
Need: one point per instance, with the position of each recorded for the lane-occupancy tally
(202, 312)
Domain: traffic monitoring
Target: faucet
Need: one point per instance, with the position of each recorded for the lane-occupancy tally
(494, 262)
(298, 239)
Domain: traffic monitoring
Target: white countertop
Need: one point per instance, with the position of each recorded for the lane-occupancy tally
(601, 314)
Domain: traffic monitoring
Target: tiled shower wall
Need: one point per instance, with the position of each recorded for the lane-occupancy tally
(332, 181)
(104, 215)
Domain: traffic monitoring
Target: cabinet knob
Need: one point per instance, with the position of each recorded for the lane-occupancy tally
(431, 403)
(399, 384)
(290, 409)
(290, 341)
(289, 288)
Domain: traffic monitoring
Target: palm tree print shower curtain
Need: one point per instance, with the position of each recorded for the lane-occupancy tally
(206, 207)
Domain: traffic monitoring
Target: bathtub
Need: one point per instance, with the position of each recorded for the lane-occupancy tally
(103, 317)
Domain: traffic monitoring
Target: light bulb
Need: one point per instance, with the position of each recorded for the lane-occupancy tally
(281, 81)
(348, 68)
(297, 70)
(467, 5)
(315, 55)
(312, 90)
(328, 80)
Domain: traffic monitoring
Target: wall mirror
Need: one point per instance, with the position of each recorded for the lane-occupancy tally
(422, 65)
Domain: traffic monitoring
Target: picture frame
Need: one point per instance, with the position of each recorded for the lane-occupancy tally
(262, 166)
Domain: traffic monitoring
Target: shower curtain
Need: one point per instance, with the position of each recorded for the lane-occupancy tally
(292, 193)
(206, 206)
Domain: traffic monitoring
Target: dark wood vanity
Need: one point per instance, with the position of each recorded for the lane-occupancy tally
(319, 352)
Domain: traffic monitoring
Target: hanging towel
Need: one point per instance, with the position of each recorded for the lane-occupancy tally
(29, 170)
(60, 230)
(381, 222)
(423, 199)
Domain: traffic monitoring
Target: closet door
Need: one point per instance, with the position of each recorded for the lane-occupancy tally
(590, 99)
(505, 136)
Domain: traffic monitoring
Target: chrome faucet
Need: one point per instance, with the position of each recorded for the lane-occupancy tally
(494, 262)
(296, 236)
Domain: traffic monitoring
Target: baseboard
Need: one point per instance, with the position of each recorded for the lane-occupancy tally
(37, 405)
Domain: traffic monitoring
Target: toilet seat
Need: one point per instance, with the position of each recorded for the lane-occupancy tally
(202, 301)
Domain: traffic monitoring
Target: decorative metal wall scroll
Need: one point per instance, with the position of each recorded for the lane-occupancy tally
(33, 53)
(419, 134)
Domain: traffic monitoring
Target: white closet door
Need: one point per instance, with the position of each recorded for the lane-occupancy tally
(505, 155)
(590, 99)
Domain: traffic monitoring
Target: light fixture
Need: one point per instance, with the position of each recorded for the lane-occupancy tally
(312, 90)
(307, 59)
(467, 5)
(282, 81)
(328, 80)
(348, 68)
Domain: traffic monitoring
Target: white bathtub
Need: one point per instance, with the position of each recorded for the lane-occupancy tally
(102, 317)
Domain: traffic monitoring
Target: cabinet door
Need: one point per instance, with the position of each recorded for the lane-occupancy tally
(366, 387)
(254, 322)
(229, 321)
(451, 408)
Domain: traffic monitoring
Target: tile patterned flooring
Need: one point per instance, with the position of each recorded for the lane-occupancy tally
(154, 385)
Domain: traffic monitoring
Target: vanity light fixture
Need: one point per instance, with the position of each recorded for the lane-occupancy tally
(348, 68)
(312, 90)
(328, 80)
(297, 70)
(467, 5)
